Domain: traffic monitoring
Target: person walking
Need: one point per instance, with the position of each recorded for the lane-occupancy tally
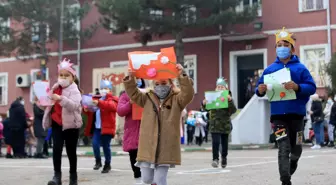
(317, 118)
(220, 126)
(39, 132)
(18, 125)
(288, 115)
(131, 129)
(327, 114)
(64, 117)
(159, 140)
(102, 124)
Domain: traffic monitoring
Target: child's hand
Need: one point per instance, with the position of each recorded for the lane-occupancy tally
(55, 97)
(229, 98)
(179, 68)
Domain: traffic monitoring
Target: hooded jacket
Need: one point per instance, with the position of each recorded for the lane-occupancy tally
(301, 76)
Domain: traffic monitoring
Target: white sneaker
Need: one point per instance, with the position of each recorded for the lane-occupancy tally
(316, 147)
(138, 181)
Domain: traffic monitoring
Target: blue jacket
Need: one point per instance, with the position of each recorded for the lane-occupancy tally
(301, 76)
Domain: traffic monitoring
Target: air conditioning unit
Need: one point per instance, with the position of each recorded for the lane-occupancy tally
(23, 80)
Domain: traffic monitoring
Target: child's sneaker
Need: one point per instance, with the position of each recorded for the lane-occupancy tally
(214, 163)
(224, 163)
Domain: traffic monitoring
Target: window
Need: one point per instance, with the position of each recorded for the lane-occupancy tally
(3, 88)
(190, 14)
(312, 5)
(35, 75)
(190, 66)
(35, 29)
(249, 3)
(113, 27)
(156, 14)
(4, 25)
(315, 59)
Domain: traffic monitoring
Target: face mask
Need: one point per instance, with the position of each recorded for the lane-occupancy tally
(139, 82)
(63, 82)
(329, 101)
(162, 91)
(103, 92)
(22, 102)
(335, 98)
(283, 52)
(0, 119)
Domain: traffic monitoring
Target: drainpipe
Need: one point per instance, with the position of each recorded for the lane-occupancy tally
(220, 47)
(329, 30)
(79, 51)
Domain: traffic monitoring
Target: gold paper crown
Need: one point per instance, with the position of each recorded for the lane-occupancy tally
(285, 36)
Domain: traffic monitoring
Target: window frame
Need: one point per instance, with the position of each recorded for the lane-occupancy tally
(302, 7)
(304, 48)
(5, 38)
(5, 101)
(240, 7)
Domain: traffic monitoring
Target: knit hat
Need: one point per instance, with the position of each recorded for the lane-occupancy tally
(105, 84)
(221, 81)
(66, 65)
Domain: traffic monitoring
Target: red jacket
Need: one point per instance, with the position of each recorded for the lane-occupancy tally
(108, 110)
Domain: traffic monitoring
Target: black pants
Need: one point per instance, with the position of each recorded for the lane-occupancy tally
(136, 170)
(18, 142)
(289, 135)
(190, 134)
(70, 137)
(217, 139)
(45, 148)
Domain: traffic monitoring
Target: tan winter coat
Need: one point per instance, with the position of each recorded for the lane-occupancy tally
(160, 144)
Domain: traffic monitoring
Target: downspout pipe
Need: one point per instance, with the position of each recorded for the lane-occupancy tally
(220, 47)
(329, 30)
(79, 51)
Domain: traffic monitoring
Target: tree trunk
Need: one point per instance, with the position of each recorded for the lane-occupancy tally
(179, 47)
(44, 54)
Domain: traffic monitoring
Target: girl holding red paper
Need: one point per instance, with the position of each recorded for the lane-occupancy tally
(64, 117)
(131, 129)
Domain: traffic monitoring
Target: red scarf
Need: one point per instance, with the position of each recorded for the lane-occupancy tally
(56, 114)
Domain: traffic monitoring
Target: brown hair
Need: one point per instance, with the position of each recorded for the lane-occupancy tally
(77, 83)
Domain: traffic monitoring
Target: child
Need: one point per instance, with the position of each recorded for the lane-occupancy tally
(65, 119)
(199, 129)
(131, 129)
(102, 125)
(220, 126)
(30, 140)
(288, 115)
(159, 140)
(1, 135)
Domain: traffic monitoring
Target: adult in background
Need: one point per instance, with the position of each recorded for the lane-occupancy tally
(18, 125)
(39, 132)
(131, 129)
(317, 118)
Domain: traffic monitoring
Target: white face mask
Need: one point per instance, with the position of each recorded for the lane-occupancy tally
(63, 82)
(22, 102)
(0, 119)
(330, 101)
(103, 92)
(335, 98)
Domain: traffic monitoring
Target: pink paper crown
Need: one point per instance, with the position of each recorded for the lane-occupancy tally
(66, 65)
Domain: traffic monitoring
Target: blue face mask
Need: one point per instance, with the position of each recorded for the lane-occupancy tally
(139, 82)
(283, 52)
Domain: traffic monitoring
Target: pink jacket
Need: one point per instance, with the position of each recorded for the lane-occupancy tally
(71, 108)
(132, 127)
(1, 131)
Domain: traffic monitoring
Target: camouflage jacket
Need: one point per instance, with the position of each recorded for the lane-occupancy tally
(220, 119)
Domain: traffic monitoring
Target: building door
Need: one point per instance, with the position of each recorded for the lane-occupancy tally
(250, 68)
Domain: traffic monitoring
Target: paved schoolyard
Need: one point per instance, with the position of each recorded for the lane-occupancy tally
(248, 167)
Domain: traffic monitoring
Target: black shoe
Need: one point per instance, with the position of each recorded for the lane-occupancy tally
(331, 144)
(9, 156)
(97, 166)
(293, 166)
(56, 180)
(40, 156)
(224, 162)
(287, 183)
(107, 168)
(73, 179)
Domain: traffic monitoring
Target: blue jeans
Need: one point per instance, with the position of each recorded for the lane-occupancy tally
(104, 140)
(319, 132)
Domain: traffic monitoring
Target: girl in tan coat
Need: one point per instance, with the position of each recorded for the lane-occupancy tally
(159, 141)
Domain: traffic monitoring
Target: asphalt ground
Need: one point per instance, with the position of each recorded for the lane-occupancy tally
(245, 167)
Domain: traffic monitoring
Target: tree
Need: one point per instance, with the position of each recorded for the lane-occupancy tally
(331, 71)
(38, 24)
(158, 17)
